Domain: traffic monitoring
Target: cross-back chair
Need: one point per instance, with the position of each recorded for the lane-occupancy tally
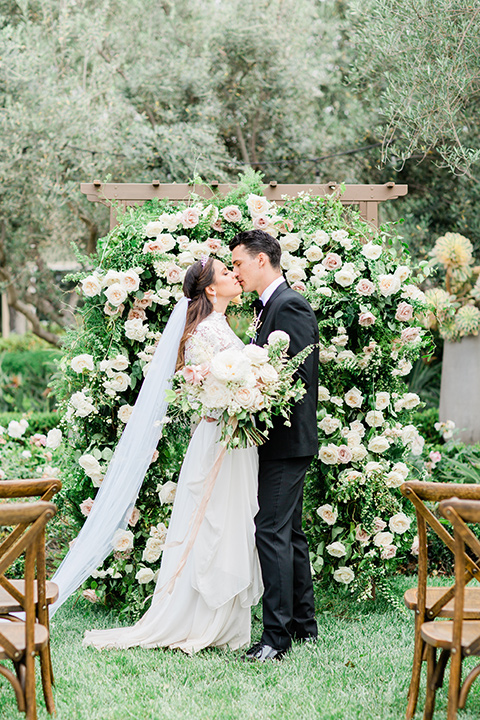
(429, 603)
(22, 640)
(12, 591)
(459, 637)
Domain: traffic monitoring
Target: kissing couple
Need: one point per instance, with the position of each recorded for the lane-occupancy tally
(250, 540)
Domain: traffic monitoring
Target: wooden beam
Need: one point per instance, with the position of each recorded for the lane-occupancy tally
(125, 194)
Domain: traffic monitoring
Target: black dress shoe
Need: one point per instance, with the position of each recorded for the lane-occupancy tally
(262, 652)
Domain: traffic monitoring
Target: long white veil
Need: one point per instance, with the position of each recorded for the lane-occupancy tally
(119, 490)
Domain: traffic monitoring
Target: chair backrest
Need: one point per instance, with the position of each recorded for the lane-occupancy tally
(32, 518)
(43, 488)
(460, 512)
(420, 493)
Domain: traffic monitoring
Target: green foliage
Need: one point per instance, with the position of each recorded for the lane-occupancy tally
(24, 379)
(362, 364)
(38, 422)
(421, 64)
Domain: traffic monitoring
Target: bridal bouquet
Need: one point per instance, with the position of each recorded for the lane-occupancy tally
(237, 385)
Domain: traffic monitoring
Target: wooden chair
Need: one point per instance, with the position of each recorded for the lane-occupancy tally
(429, 603)
(459, 637)
(22, 640)
(45, 593)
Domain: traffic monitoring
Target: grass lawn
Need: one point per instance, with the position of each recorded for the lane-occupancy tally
(359, 669)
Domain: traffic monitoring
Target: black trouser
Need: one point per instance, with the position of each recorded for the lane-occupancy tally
(288, 602)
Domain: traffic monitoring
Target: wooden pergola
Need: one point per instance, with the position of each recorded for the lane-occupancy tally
(122, 195)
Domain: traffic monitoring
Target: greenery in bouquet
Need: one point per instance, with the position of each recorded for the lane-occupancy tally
(236, 386)
(359, 283)
(454, 310)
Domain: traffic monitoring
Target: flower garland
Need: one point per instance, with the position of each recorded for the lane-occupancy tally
(361, 288)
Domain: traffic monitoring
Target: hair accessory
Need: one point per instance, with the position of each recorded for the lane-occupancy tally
(204, 260)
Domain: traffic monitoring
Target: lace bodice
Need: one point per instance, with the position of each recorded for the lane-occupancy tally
(211, 336)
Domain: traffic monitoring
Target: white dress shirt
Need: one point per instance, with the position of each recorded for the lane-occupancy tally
(270, 289)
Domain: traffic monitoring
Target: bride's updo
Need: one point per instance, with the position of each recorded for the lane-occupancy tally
(198, 277)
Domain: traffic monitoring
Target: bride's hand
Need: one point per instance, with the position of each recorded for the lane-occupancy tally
(210, 419)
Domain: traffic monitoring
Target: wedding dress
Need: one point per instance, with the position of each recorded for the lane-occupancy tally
(207, 602)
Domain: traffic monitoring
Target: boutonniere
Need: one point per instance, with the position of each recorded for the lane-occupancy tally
(252, 329)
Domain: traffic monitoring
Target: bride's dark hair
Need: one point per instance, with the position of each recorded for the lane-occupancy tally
(197, 278)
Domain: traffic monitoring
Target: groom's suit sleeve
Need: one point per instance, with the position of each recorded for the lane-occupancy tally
(295, 318)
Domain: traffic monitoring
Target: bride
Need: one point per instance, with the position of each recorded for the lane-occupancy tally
(204, 594)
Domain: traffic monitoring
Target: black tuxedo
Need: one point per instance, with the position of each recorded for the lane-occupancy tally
(288, 602)
(287, 310)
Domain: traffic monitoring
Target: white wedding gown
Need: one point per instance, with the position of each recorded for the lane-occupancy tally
(209, 604)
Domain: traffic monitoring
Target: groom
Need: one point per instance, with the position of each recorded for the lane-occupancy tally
(288, 602)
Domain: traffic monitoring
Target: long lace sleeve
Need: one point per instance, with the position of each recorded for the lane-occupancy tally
(211, 336)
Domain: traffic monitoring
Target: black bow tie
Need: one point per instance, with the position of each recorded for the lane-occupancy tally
(258, 305)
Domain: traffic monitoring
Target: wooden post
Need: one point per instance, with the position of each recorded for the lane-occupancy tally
(5, 316)
(122, 195)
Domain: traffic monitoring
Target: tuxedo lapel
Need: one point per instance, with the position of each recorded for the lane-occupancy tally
(278, 291)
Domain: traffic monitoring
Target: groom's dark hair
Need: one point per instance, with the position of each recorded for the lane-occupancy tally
(257, 241)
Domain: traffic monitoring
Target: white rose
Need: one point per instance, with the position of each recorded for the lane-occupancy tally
(279, 336)
(346, 276)
(409, 434)
(91, 286)
(125, 412)
(295, 274)
(353, 438)
(120, 362)
(382, 539)
(409, 401)
(326, 291)
(353, 397)
(122, 540)
(118, 382)
(365, 287)
(329, 454)
(404, 367)
(356, 426)
(337, 549)
(246, 397)
(314, 254)
(393, 479)
(16, 429)
(116, 294)
(374, 418)
(185, 259)
(90, 464)
(136, 330)
(131, 281)
(344, 575)
(257, 355)
(327, 514)
(82, 362)
(378, 444)
(320, 237)
(399, 523)
(359, 452)
(373, 467)
(144, 575)
(268, 374)
(347, 356)
(112, 276)
(290, 242)
(329, 424)
(153, 228)
(82, 404)
(402, 272)
(286, 261)
(174, 274)
(371, 251)
(153, 550)
(326, 356)
(401, 469)
(54, 438)
(257, 205)
(215, 394)
(323, 394)
(388, 284)
(230, 365)
(382, 400)
(166, 492)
